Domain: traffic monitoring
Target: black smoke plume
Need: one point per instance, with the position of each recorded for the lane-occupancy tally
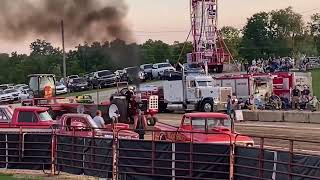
(84, 20)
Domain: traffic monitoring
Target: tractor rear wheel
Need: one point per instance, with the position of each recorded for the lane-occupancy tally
(119, 106)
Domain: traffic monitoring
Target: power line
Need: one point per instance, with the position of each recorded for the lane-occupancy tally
(303, 12)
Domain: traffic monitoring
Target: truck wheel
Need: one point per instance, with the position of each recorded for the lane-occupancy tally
(122, 108)
(207, 106)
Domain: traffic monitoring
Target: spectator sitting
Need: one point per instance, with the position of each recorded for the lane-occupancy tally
(250, 103)
(303, 103)
(285, 103)
(241, 104)
(259, 102)
(275, 101)
(313, 103)
(295, 97)
(305, 92)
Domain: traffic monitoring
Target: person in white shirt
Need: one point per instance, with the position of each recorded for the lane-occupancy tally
(99, 120)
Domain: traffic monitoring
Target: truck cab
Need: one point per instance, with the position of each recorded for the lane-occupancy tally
(42, 85)
(214, 128)
(25, 117)
(83, 125)
(195, 92)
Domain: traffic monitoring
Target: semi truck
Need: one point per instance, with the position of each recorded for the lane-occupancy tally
(195, 93)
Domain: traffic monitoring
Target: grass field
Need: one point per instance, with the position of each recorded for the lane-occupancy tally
(18, 177)
(316, 82)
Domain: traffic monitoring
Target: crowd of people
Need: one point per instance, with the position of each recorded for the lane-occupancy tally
(271, 65)
(299, 100)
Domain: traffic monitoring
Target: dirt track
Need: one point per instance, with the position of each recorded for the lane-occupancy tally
(296, 131)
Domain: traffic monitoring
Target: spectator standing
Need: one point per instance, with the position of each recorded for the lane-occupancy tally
(98, 119)
(140, 125)
(229, 105)
(295, 98)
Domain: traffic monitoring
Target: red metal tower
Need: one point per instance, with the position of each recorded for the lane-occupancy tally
(208, 46)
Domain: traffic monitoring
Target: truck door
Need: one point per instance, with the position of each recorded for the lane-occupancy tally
(191, 91)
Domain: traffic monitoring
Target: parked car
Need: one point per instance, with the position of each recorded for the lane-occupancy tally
(11, 95)
(159, 69)
(61, 88)
(132, 73)
(103, 78)
(78, 84)
(193, 68)
(6, 86)
(89, 79)
(86, 98)
(22, 87)
(71, 77)
(147, 69)
(119, 75)
(6, 98)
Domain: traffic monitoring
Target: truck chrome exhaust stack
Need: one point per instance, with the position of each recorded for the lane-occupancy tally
(183, 84)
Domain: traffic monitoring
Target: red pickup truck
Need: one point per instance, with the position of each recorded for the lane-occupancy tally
(204, 128)
(26, 117)
(83, 125)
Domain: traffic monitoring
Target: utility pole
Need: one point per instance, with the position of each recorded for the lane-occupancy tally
(63, 56)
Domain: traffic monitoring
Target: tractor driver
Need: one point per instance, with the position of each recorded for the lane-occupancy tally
(131, 103)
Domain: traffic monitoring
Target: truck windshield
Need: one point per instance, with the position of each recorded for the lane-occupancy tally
(45, 116)
(205, 83)
(205, 124)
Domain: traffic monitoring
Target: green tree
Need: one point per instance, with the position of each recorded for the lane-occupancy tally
(256, 37)
(180, 50)
(231, 37)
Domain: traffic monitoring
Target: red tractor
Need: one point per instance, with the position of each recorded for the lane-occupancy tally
(129, 103)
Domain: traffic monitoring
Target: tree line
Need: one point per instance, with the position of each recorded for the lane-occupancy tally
(266, 34)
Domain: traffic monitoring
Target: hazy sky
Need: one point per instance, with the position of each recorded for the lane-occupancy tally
(154, 19)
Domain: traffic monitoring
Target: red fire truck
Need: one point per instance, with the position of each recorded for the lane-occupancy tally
(244, 85)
